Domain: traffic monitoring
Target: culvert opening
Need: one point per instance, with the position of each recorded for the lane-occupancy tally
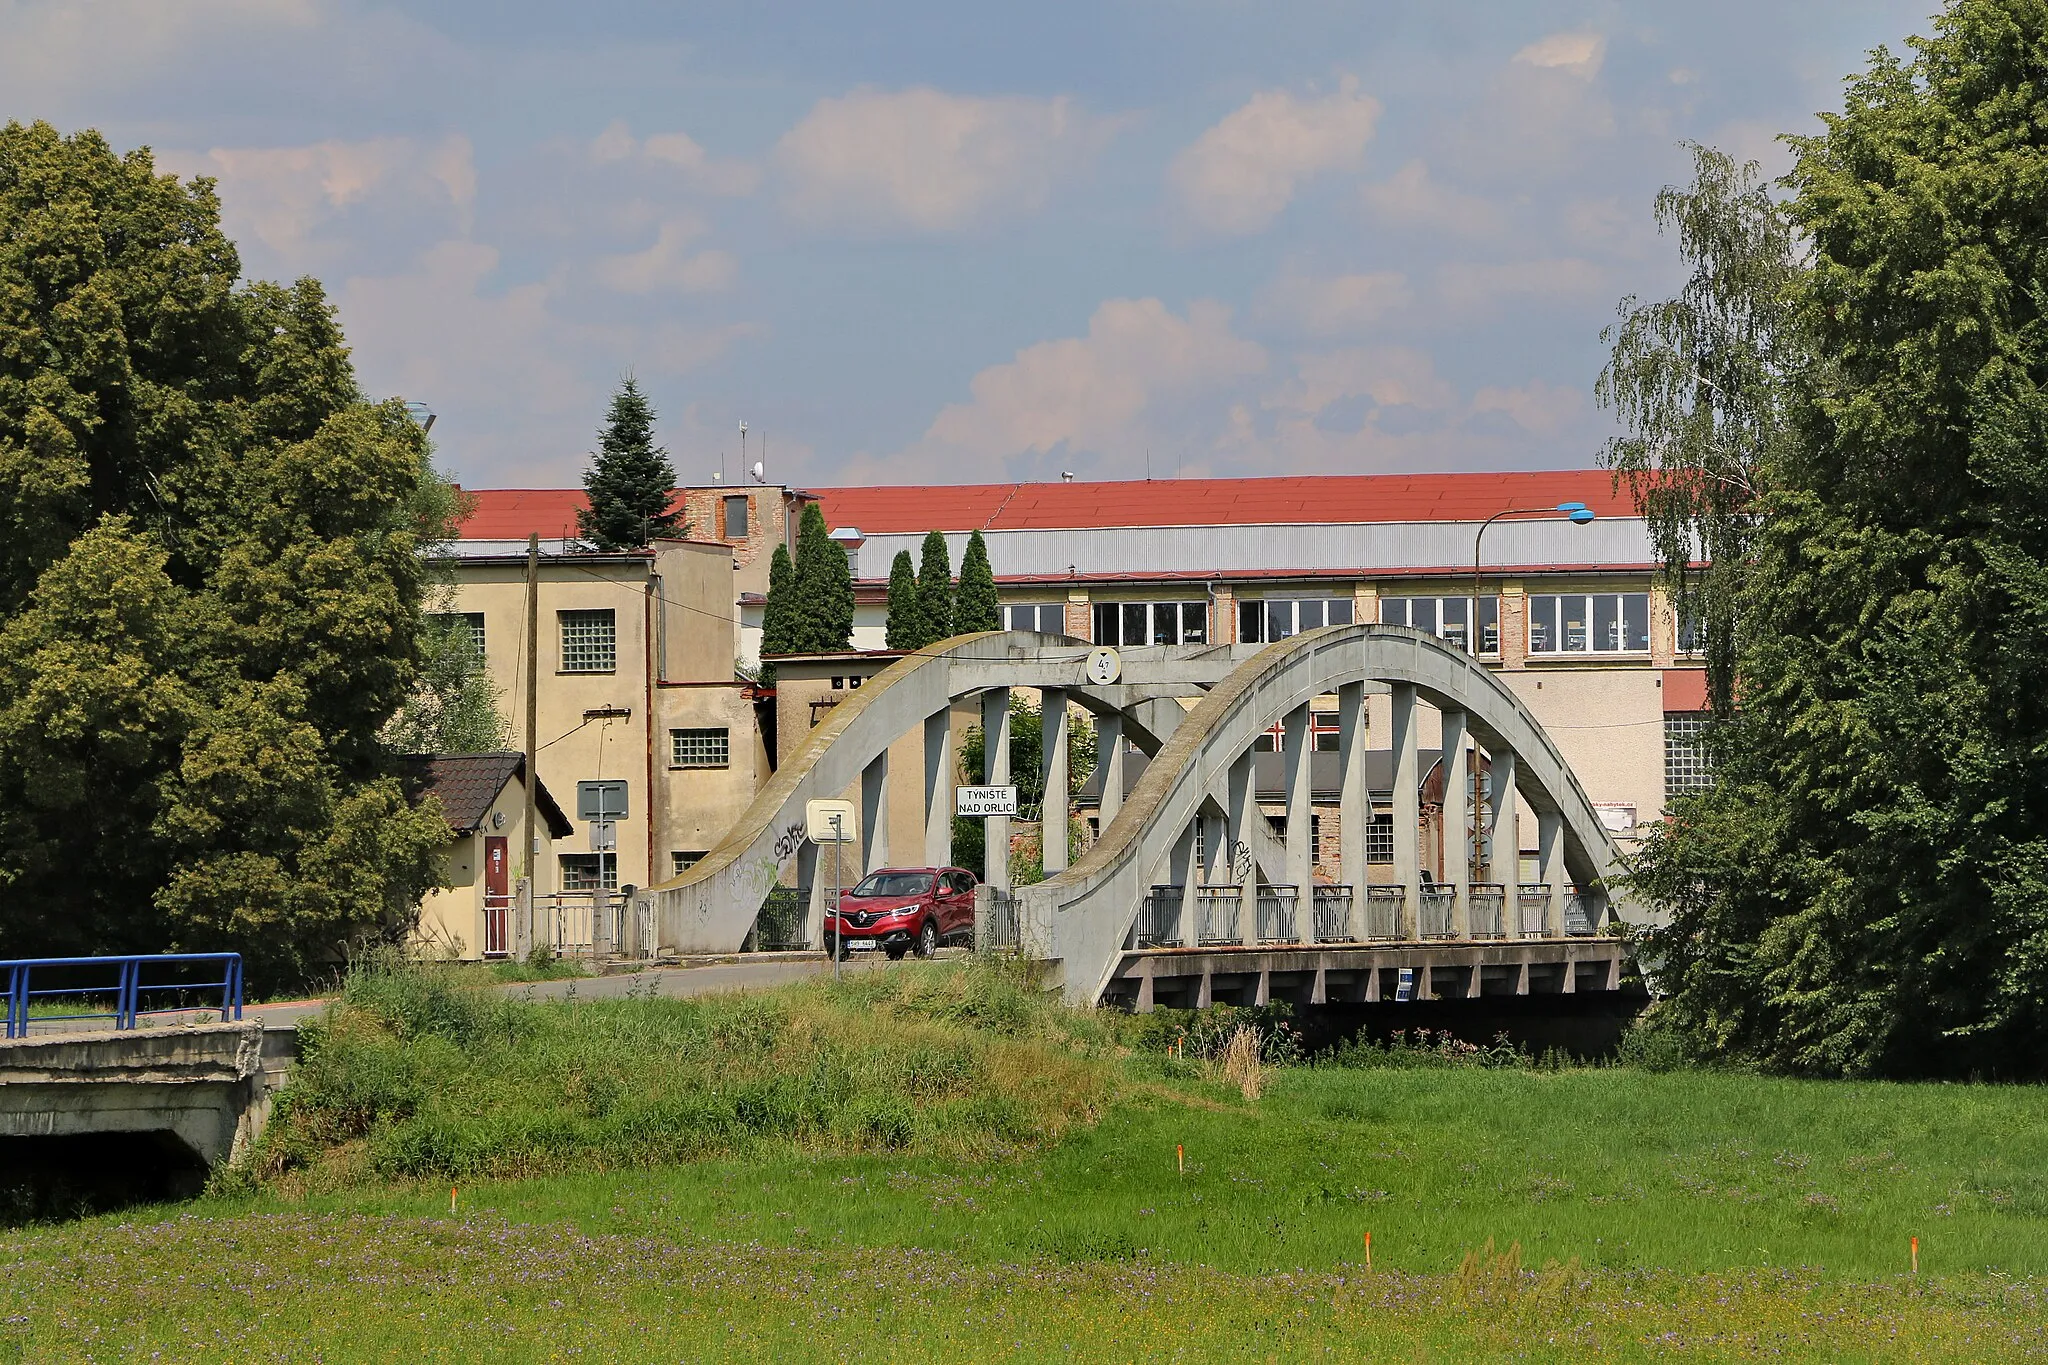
(48, 1179)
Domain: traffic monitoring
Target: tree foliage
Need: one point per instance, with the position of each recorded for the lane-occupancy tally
(630, 484)
(453, 708)
(1027, 747)
(935, 589)
(906, 628)
(1700, 381)
(210, 584)
(977, 606)
(1865, 890)
(810, 611)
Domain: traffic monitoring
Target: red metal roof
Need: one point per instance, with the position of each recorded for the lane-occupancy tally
(515, 513)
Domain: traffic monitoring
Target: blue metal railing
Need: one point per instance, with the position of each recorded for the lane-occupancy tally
(127, 988)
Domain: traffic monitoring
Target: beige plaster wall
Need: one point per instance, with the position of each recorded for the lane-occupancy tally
(451, 920)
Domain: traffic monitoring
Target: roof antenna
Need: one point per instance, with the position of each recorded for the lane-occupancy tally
(1148, 464)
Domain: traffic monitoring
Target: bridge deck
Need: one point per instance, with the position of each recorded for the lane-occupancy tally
(1364, 973)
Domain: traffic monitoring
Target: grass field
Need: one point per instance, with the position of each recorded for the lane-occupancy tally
(1015, 1192)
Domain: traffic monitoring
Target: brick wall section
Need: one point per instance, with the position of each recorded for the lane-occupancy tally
(1514, 627)
(1223, 617)
(1080, 623)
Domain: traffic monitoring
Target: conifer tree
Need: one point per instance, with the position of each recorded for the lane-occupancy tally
(976, 608)
(906, 614)
(821, 595)
(630, 483)
(935, 588)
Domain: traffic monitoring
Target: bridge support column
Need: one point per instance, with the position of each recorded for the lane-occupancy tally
(938, 789)
(1243, 863)
(1550, 854)
(995, 760)
(874, 813)
(1109, 761)
(1052, 824)
(1354, 809)
(1301, 847)
(1458, 823)
(1182, 872)
(1407, 809)
(1505, 866)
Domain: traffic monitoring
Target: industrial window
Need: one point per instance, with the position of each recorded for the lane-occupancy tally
(589, 872)
(706, 748)
(1448, 618)
(1692, 634)
(1685, 757)
(1151, 623)
(1047, 618)
(1327, 731)
(1276, 618)
(681, 860)
(468, 624)
(1379, 839)
(736, 517)
(1590, 623)
(590, 641)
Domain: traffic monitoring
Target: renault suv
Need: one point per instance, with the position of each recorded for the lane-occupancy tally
(898, 909)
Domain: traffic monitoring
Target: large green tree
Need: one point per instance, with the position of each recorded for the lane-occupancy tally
(976, 607)
(1865, 890)
(819, 599)
(935, 588)
(210, 584)
(630, 484)
(906, 628)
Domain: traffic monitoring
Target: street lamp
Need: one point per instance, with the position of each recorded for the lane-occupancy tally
(1575, 512)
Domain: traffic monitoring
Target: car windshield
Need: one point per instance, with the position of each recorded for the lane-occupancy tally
(895, 884)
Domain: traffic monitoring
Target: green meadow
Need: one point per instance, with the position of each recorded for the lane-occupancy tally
(938, 1163)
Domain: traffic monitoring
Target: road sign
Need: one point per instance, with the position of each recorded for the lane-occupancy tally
(604, 799)
(1105, 666)
(1404, 984)
(604, 836)
(818, 821)
(985, 801)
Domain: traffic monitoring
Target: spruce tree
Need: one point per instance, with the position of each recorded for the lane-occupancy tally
(630, 483)
(906, 615)
(935, 588)
(775, 614)
(976, 608)
(821, 598)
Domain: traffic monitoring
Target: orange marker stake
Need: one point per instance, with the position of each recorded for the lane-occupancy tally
(1916, 1255)
(1368, 1253)
(451, 1199)
(1180, 1159)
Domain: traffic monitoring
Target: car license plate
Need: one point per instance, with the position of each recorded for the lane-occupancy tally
(860, 945)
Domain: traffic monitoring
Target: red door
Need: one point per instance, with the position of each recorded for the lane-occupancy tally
(497, 894)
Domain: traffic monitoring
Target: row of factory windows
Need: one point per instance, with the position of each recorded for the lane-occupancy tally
(1559, 624)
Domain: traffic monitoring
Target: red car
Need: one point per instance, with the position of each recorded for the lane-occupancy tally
(900, 908)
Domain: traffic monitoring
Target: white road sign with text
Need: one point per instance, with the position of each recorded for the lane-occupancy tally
(985, 801)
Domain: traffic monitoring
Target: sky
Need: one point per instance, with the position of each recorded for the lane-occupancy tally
(932, 242)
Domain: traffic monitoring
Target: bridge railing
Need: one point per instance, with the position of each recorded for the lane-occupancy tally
(125, 982)
(1331, 915)
(1532, 909)
(1277, 917)
(1486, 906)
(1000, 926)
(1438, 911)
(1582, 913)
(1383, 907)
(1216, 910)
(1159, 918)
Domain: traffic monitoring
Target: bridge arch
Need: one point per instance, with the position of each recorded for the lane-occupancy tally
(1086, 917)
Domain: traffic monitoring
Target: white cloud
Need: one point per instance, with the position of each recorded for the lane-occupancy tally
(60, 47)
(1336, 304)
(669, 264)
(675, 151)
(283, 196)
(930, 161)
(1237, 177)
(1391, 376)
(1412, 198)
(1580, 54)
(1538, 408)
(1109, 392)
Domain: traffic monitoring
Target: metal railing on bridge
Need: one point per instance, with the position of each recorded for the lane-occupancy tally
(1216, 909)
(1277, 903)
(1159, 916)
(1383, 907)
(1532, 909)
(1486, 906)
(1438, 912)
(123, 982)
(593, 924)
(998, 931)
(1330, 914)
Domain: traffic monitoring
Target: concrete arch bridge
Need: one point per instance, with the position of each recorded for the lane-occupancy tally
(1190, 895)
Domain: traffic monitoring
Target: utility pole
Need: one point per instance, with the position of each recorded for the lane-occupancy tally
(532, 714)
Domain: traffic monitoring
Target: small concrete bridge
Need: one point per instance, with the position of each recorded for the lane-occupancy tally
(208, 1088)
(1142, 919)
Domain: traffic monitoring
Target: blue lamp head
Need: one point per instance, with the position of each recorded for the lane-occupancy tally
(1571, 507)
(1580, 516)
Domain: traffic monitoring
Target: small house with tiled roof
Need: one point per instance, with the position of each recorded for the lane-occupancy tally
(483, 798)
